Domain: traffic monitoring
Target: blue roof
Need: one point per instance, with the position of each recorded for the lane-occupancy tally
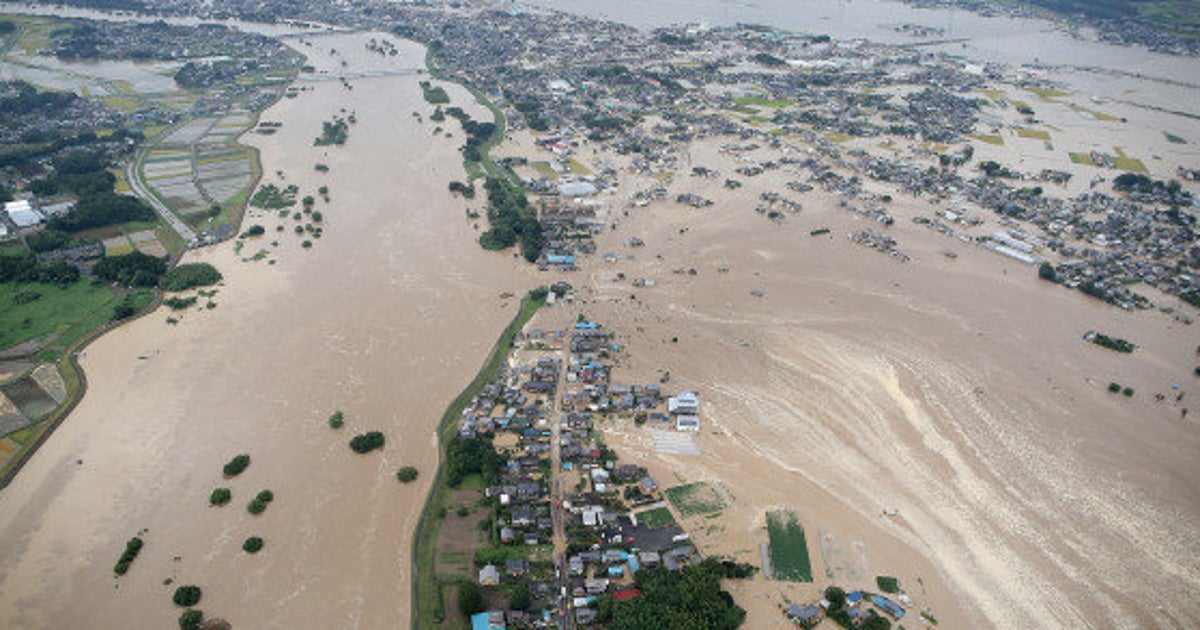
(633, 564)
(480, 622)
(888, 606)
(854, 597)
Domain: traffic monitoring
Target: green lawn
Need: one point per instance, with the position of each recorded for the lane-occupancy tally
(66, 313)
(658, 517)
(789, 548)
(695, 499)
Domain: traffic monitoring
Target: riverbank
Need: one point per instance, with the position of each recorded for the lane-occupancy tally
(290, 341)
(428, 608)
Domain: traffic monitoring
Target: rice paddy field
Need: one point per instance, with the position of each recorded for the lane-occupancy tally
(199, 165)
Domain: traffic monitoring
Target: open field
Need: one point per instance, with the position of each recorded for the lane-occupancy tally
(59, 313)
(695, 499)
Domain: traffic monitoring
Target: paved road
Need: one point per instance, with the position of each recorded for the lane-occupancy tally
(139, 188)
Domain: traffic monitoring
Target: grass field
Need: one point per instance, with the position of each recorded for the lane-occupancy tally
(1081, 158)
(578, 168)
(990, 139)
(66, 313)
(789, 548)
(759, 101)
(543, 169)
(1033, 134)
(695, 499)
(658, 517)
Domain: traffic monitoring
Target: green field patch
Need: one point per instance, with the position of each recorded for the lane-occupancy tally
(789, 548)
(118, 250)
(836, 137)
(695, 499)
(990, 139)
(761, 101)
(577, 167)
(1033, 134)
(1131, 165)
(1174, 139)
(65, 313)
(888, 584)
(995, 95)
(158, 157)
(122, 103)
(1082, 158)
(543, 169)
(227, 157)
(1047, 94)
(658, 517)
(1098, 115)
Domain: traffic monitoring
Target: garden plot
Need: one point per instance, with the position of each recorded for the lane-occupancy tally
(695, 499)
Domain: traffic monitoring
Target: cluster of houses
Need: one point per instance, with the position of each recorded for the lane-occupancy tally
(857, 609)
(595, 498)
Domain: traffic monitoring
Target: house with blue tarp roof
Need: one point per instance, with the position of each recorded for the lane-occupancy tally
(491, 620)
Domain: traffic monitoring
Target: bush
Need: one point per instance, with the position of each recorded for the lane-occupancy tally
(1128, 391)
(187, 596)
(260, 502)
(176, 303)
(191, 619)
(191, 275)
(236, 465)
(407, 474)
(220, 496)
(836, 597)
(367, 442)
(132, 548)
(253, 544)
(1114, 388)
(336, 420)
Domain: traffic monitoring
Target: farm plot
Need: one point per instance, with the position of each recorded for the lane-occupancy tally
(789, 548)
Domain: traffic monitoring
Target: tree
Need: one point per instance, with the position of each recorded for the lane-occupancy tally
(367, 442)
(470, 598)
(190, 619)
(187, 596)
(836, 597)
(521, 598)
(253, 544)
(1046, 272)
(407, 474)
(236, 465)
(876, 622)
(220, 496)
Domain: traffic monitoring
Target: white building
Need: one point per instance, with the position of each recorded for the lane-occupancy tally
(687, 422)
(686, 403)
(22, 213)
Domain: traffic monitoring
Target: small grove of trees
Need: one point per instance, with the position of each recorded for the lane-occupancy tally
(236, 465)
(434, 94)
(691, 598)
(103, 209)
(259, 503)
(26, 268)
(366, 442)
(511, 220)
(132, 548)
(1046, 272)
(253, 544)
(469, 456)
(134, 269)
(465, 190)
(189, 276)
(220, 496)
(191, 619)
(407, 474)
